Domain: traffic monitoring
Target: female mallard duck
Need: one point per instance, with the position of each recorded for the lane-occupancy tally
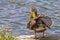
(38, 22)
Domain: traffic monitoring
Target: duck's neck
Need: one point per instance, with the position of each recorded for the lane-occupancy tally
(33, 15)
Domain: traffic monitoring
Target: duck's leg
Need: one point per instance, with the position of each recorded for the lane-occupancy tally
(35, 36)
(43, 35)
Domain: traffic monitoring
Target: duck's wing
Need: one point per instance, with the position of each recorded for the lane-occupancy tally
(46, 20)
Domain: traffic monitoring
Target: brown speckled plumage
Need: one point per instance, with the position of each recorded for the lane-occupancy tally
(39, 23)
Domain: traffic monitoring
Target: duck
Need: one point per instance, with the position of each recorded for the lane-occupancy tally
(39, 23)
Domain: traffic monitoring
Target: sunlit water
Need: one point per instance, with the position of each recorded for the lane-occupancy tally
(14, 13)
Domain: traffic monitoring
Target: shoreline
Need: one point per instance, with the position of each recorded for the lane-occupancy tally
(29, 37)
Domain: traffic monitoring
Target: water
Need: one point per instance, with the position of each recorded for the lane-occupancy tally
(14, 13)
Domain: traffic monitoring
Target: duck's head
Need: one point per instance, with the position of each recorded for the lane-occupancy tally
(33, 12)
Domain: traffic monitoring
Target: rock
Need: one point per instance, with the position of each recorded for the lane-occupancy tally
(25, 37)
(29, 37)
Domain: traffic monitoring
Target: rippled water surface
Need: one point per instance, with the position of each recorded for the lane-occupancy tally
(14, 13)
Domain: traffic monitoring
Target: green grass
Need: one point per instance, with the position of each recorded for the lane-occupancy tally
(4, 36)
